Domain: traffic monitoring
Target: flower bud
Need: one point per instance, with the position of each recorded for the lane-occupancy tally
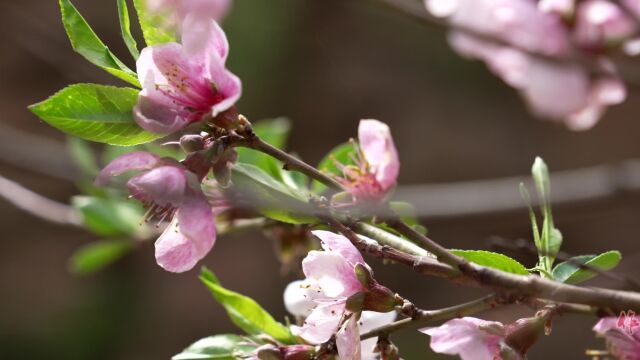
(298, 352)
(380, 299)
(268, 352)
(524, 333)
(191, 143)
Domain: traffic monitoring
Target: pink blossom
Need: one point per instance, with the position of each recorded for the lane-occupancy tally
(599, 23)
(377, 167)
(623, 343)
(471, 339)
(169, 191)
(561, 7)
(322, 299)
(185, 83)
(175, 11)
(557, 90)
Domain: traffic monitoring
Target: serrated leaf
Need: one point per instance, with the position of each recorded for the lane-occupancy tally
(569, 272)
(493, 260)
(125, 29)
(247, 314)
(256, 188)
(218, 347)
(97, 255)
(109, 217)
(86, 43)
(95, 112)
(342, 154)
(156, 28)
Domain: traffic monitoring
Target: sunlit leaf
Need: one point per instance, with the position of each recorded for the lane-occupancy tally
(156, 28)
(110, 217)
(247, 314)
(570, 272)
(125, 29)
(86, 43)
(493, 260)
(218, 347)
(95, 112)
(97, 255)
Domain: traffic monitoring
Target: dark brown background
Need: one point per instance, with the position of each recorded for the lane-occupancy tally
(325, 64)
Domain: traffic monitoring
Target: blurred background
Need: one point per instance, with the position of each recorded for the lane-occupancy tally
(325, 65)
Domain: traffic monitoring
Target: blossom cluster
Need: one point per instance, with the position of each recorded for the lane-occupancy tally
(556, 53)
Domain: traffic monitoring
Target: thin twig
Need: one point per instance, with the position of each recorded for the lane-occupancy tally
(424, 317)
(37, 205)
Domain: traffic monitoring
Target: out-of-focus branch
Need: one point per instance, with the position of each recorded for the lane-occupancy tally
(35, 153)
(38, 205)
(497, 195)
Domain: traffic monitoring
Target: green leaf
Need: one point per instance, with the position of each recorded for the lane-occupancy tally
(247, 314)
(275, 132)
(125, 29)
(272, 198)
(83, 156)
(343, 154)
(569, 271)
(109, 217)
(95, 112)
(86, 43)
(493, 260)
(218, 347)
(97, 255)
(156, 28)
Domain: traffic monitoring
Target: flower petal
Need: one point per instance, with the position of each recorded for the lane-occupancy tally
(321, 324)
(174, 251)
(348, 340)
(197, 222)
(339, 244)
(163, 185)
(370, 320)
(379, 151)
(621, 344)
(227, 85)
(139, 160)
(466, 338)
(334, 275)
(203, 38)
(157, 117)
(298, 298)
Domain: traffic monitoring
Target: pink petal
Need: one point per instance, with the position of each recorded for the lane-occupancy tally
(370, 320)
(321, 324)
(620, 342)
(138, 160)
(380, 152)
(227, 85)
(333, 273)
(203, 38)
(599, 22)
(339, 244)
(298, 298)
(175, 252)
(561, 7)
(164, 185)
(158, 118)
(348, 340)
(466, 338)
(197, 222)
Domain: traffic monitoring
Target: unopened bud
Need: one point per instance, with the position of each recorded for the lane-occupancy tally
(298, 352)
(191, 143)
(380, 299)
(387, 350)
(524, 333)
(269, 352)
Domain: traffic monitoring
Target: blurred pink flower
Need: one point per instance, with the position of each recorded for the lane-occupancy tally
(322, 298)
(471, 339)
(169, 191)
(599, 23)
(184, 83)
(558, 90)
(622, 344)
(561, 7)
(177, 10)
(378, 165)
